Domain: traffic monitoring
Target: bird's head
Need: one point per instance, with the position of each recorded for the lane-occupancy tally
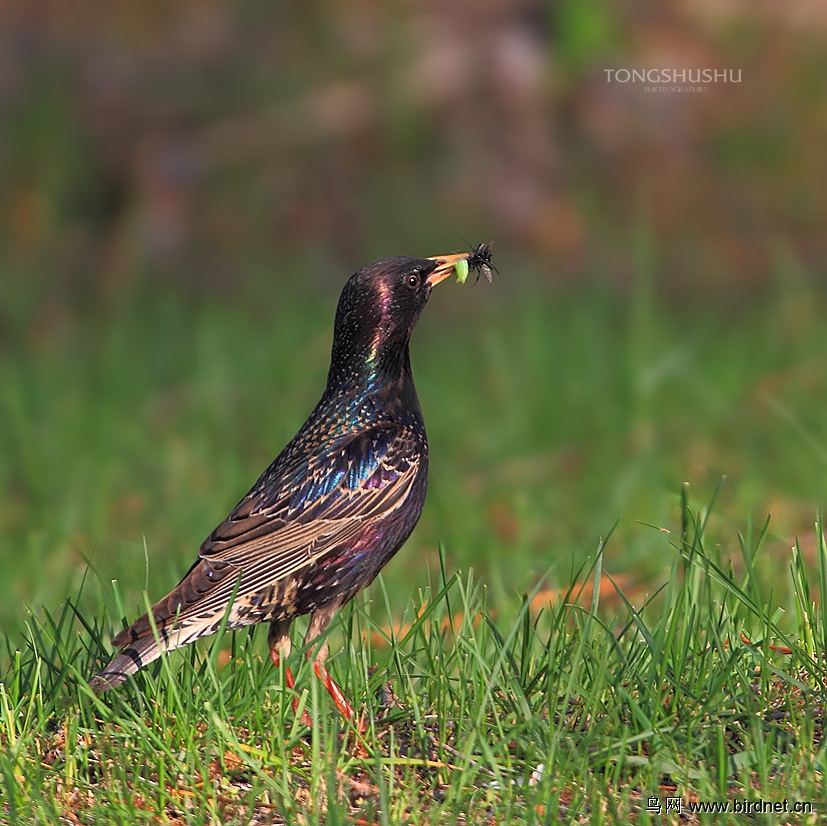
(378, 309)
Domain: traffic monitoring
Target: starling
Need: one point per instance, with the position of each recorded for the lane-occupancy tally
(334, 506)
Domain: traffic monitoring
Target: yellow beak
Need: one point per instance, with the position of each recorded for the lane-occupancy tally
(446, 265)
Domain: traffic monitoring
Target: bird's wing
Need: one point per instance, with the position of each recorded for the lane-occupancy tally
(285, 522)
(290, 519)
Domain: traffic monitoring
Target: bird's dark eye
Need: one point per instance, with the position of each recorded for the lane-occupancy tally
(412, 281)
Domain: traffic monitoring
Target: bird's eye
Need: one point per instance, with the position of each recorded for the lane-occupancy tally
(412, 281)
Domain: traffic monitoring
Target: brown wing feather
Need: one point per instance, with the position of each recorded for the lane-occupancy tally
(267, 538)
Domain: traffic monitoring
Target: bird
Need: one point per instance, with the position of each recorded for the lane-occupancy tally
(331, 509)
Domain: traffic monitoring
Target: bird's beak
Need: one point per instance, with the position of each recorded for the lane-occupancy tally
(445, 266)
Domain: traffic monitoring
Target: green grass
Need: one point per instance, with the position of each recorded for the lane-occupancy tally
(535, 714)
(131, 427)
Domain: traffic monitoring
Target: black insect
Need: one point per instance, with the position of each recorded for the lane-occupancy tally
(480, 262)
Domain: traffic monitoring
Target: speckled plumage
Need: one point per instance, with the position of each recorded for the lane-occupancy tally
(334, 506)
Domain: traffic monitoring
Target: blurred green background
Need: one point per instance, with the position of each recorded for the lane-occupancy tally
(184, 188)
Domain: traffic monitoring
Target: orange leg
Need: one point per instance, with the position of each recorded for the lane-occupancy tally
(290, 681)
(278, 640)
(345, 708)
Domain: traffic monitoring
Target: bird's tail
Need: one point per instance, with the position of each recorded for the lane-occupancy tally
(173, 624)
(141, 650)
(133, 658)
